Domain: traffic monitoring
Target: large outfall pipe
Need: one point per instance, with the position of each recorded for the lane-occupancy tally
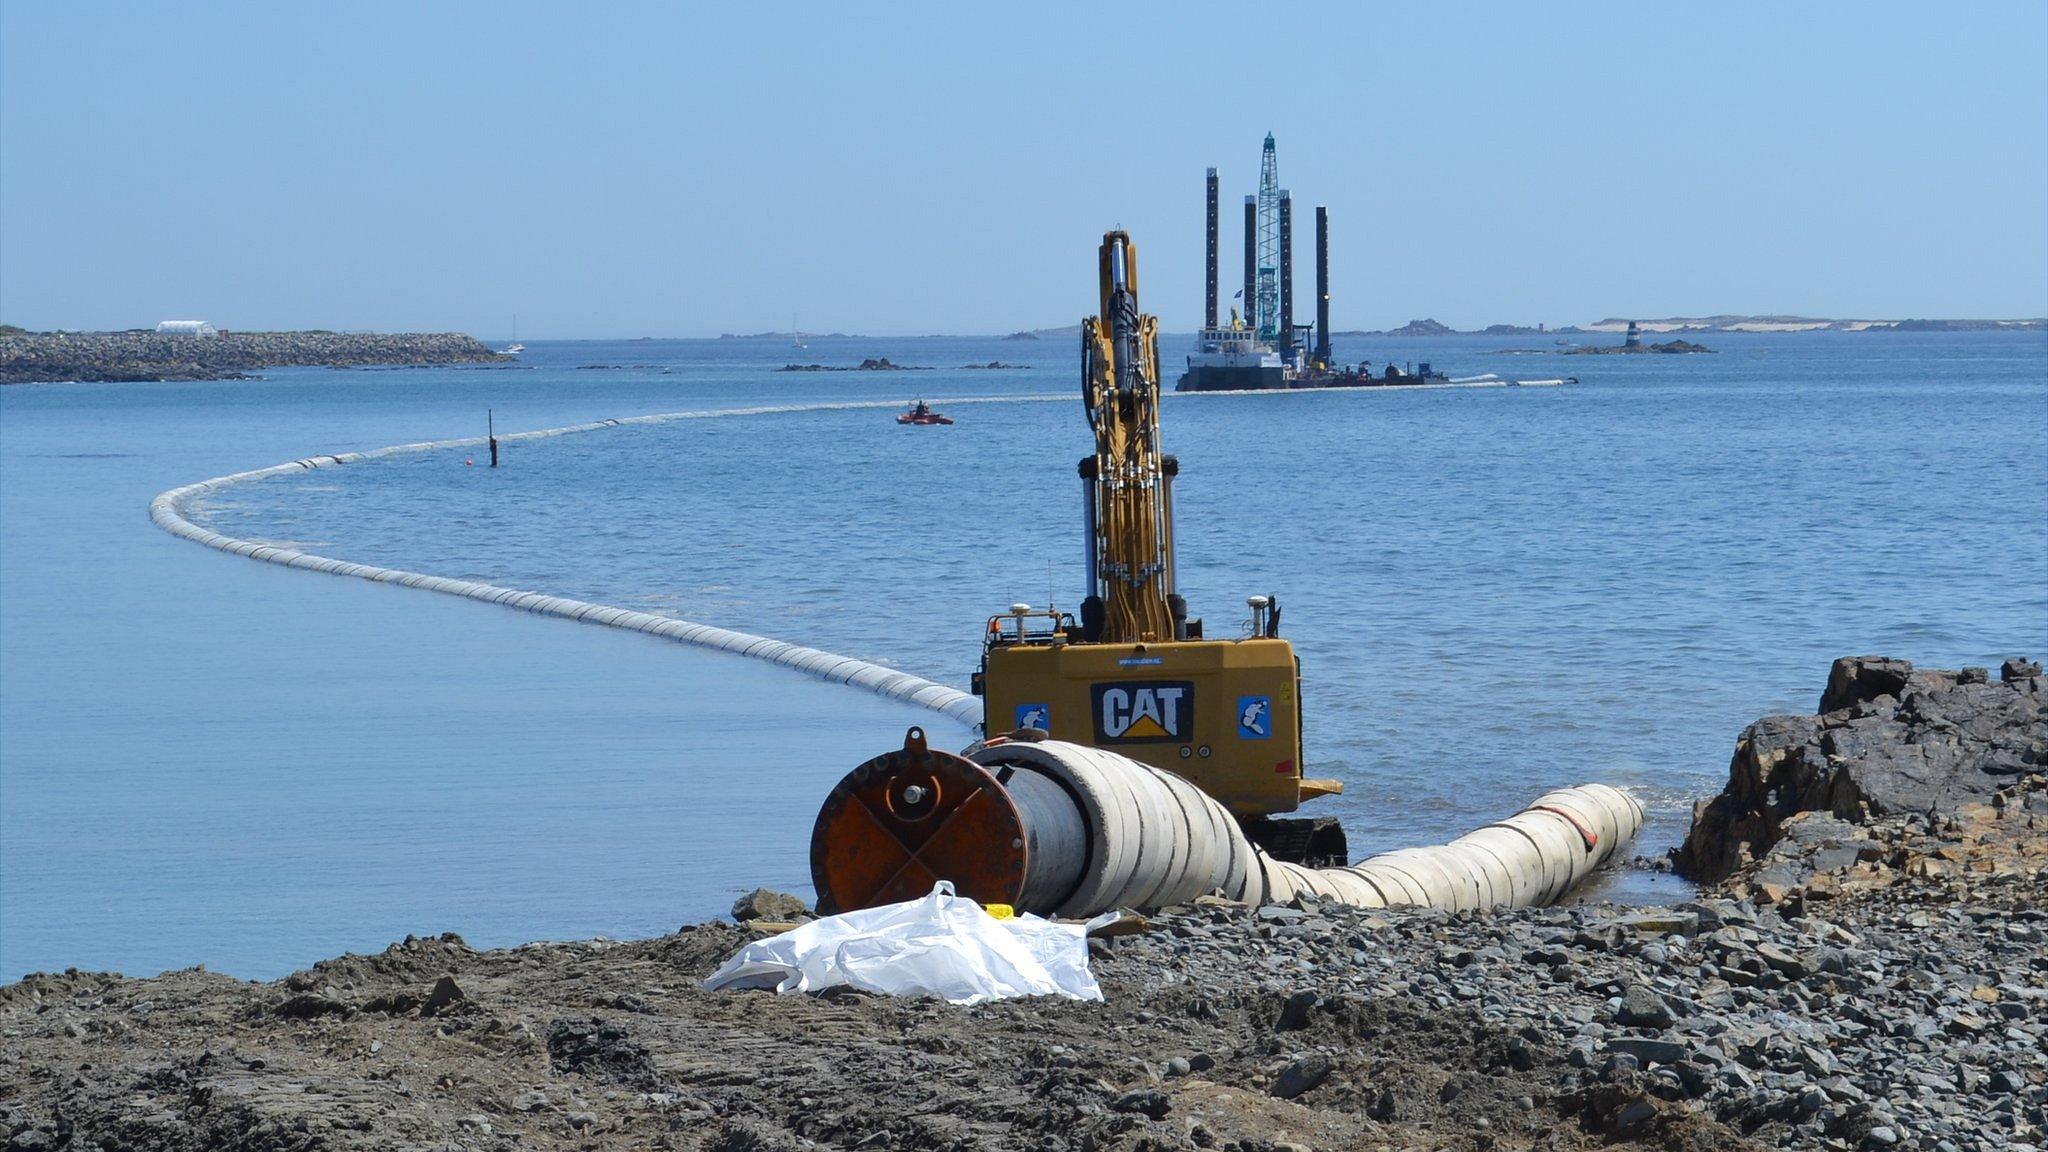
(1063, 829)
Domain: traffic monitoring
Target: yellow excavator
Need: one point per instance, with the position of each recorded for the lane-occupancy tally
(1125, 751)
(1134, 674)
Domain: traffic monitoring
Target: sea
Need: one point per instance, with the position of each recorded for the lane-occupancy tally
(1493, 591)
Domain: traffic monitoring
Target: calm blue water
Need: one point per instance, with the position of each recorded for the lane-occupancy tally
(208, 760)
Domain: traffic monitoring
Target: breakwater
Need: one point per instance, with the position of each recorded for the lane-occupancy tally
(33, 357)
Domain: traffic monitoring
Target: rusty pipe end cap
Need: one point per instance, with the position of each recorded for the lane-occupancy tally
(898, 824)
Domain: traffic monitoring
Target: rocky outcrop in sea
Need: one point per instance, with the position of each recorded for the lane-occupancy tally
(1668, 347)
(31, 357)
(871, 364)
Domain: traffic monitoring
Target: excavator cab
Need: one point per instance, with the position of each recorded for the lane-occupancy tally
(1134, 674)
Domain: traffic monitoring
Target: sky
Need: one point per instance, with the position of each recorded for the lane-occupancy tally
(671, 169)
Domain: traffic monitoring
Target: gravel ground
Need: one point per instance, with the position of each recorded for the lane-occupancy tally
(1908, 1015)
(1874, 978)
(1222, 1029)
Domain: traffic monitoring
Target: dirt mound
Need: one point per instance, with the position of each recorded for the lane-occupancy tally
(605, 1044)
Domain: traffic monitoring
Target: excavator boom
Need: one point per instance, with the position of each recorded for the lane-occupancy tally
(1131, 537)
(1135, 675)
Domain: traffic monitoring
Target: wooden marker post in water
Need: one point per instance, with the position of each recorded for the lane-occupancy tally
(491, 430)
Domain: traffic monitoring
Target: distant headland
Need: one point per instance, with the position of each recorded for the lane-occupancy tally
(1721, 323)
(1811, 324)
(1438, 328)
(1071, 333)
(203, 354)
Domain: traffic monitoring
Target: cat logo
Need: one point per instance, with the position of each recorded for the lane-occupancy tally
(1144, 712)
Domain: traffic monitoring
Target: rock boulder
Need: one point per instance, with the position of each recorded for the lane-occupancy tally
(762, 904)
(1889, 739)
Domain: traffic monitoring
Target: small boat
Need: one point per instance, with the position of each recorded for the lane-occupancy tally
(796, 335)
(513, 349)
(921, 413)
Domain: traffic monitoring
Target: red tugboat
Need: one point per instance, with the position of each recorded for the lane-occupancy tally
(921, 413)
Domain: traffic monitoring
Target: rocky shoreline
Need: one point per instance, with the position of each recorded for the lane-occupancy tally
(50, 357)
(1855, 975)
(1889, 742)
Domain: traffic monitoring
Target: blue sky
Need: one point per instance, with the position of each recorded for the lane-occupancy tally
(672, 169)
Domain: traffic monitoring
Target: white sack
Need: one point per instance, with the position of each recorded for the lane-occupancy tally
(942, 945)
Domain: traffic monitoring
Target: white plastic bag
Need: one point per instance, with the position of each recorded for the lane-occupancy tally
(942, 945)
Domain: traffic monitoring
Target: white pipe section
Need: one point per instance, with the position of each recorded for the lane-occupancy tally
(1153, 839)
(167, 510)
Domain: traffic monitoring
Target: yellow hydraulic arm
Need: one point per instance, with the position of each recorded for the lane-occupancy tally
(1137, 676)
(1131, 595)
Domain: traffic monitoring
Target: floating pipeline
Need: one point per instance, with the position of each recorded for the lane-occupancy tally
(1063, 829)
(167, 510)
(1088, 830)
